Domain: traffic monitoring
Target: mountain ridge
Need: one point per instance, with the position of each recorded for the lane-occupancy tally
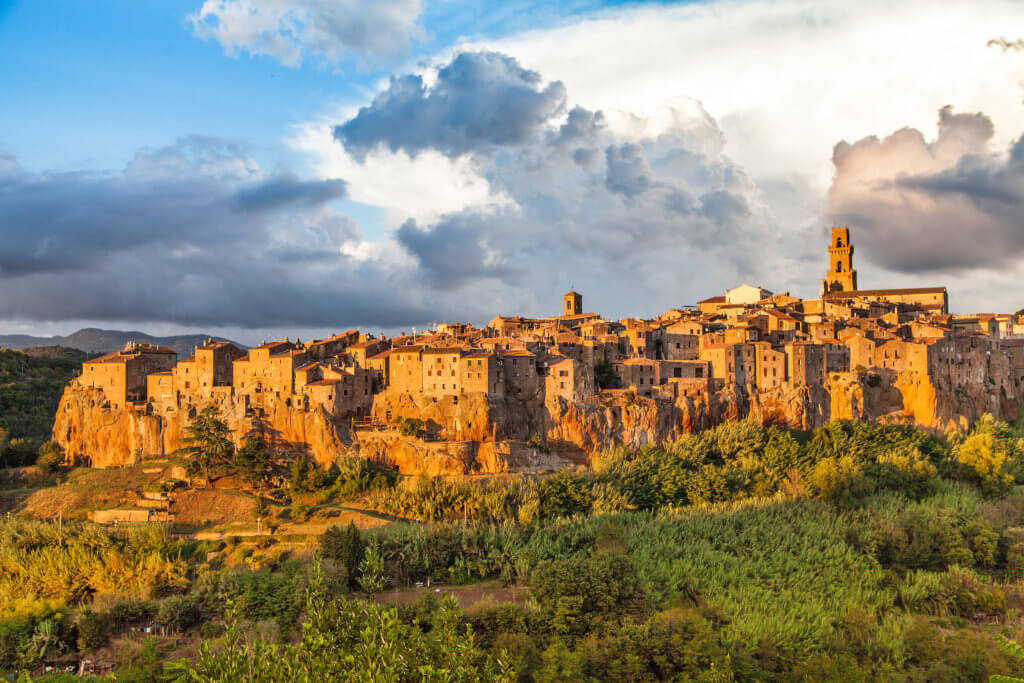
(97, 340)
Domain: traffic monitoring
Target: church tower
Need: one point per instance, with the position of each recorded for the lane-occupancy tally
(841, 277)
(572, 304)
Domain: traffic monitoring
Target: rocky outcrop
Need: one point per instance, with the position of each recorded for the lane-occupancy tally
(478, 434)
(93, 432)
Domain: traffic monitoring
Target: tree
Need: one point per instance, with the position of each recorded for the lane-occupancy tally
(252, 461)
(351, 640)
(207, 445)
(347, 547)
(1013, 650)
(50, 457)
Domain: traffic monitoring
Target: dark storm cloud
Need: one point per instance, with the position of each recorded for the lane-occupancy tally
(628, 173)
(279, 192)
(480, 99)
(456, 250)
(190, 234)
(928, 206)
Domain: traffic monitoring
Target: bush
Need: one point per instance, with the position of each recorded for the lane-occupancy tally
(50, 458)
(578, 593)
(93, 630)
(299, 512)
(346, 546)
(838, 479)
(988, 456)
(178, 613)
(958, 591)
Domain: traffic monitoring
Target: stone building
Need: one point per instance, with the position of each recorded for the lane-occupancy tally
(122, 375)
(841, 277)
(572, 304)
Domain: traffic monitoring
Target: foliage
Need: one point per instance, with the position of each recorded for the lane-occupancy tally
(50, 458)
(989, 456)
(252, 462)
(178, 613)
(352, 640)
(30, 390)
(57, 564)
(411, 427)
(208, 447)
(346, 546)
(1013, 650)
(355, 476)
(305, 475)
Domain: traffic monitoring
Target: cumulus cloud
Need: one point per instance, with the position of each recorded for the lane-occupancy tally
(950, 203)
(649, 211)
(479, 100)
(193, 234)
(293, 30)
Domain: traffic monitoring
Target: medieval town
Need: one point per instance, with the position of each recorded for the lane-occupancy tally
(524, 394)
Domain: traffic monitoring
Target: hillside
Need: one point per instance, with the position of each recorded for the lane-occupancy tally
(95, 340)
(30, 388)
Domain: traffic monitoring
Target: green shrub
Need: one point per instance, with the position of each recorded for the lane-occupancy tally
(958, 591)
(178, 613)
(989, 456)
(838, 479)
(94, 630)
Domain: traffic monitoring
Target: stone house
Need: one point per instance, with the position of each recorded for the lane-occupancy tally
(441, 372)
(121, 375)
(770, 366)
(805, 363)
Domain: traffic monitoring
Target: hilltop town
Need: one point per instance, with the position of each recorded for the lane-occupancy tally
(526, 394)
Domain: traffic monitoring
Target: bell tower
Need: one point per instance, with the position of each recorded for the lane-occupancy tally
(841, 277)
(572, 303)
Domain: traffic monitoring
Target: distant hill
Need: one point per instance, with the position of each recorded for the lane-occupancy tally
(93, 340)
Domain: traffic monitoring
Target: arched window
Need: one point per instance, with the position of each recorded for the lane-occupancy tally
(839, 267)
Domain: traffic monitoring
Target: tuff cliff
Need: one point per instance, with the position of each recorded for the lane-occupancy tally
(477, 434)
(92, 432)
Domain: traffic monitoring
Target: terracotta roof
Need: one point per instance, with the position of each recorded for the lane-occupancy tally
(852, 294)
(273, 344)
(323, 383)
(124, 356)
(713, 300)
(410, 348)
(438, 350)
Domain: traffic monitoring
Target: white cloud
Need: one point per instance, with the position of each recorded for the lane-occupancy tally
(291, 30)
(787, 79)
(783, 81)
(422, 188)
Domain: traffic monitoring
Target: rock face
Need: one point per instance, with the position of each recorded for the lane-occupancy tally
(92, 432)
(475, 434)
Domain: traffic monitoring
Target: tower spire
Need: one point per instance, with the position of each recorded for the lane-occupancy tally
(840, 277)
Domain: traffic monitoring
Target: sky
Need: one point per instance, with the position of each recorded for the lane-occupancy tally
(271, 168)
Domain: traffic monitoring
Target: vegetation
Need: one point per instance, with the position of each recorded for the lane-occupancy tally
(30, 389)
(744, 553)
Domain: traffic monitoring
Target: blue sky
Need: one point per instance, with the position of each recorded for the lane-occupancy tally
(88, 83)
(264, 167)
